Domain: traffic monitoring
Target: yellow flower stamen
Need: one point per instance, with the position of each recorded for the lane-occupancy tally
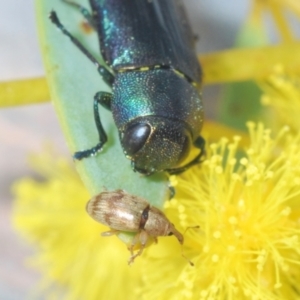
(282, 95)
(20, 92)
(248, 245)
(70, 250)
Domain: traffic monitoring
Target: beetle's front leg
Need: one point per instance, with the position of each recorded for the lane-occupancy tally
(102, 70)
(141, 237)
(104, 99)
(200, 144)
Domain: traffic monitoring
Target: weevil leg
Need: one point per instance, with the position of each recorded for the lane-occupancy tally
(105, 74)
(87, 15)
(142, 237)
(104, 99)
(110, 232)
(200, 144)
(134, 241)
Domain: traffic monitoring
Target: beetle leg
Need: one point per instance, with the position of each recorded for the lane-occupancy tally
(141, 237)
(172, 191)
(102, 98)
(134, 241)
(105, 74)
(87, 15)
(200, 144)
(110, 232)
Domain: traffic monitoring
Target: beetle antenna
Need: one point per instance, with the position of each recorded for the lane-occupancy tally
(182, 254)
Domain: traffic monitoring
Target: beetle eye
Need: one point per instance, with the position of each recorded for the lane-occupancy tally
(135, 137)
(170, 233)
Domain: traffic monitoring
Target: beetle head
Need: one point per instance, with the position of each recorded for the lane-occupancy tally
(155, 144)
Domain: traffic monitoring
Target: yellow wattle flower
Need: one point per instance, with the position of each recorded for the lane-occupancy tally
(248, 209)
(282, 96)
(76, 262)
(247, 205)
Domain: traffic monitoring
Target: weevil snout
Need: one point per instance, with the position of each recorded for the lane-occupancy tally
(156, 145)
(176, 233)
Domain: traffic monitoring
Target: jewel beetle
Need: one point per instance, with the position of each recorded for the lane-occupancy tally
(152, 68)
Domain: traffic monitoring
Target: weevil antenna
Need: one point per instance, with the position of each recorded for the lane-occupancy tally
(182, 254)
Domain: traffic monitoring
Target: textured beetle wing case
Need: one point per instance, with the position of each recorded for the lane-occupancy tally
(117, 209)
(146, 33)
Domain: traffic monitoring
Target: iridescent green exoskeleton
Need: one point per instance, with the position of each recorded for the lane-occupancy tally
(155, 78)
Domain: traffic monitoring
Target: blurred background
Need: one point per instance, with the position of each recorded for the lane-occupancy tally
(26, 129)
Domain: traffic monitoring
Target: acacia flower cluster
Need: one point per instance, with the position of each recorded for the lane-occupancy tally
(245, 198)
(246, 203)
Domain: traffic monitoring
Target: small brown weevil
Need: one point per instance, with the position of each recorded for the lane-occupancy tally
(124, 212)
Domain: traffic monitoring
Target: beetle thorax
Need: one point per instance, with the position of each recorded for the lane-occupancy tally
(157, 223)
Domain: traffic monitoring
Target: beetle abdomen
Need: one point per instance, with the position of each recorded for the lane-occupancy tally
(119, 210)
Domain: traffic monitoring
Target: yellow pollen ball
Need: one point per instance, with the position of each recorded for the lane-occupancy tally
(219, 170)
(233, 220)
(244, 161)
(232, 279)
(237, 233)
(215, 258)
(286, 211)
(217, 234)
(206, 249)
(231, 248)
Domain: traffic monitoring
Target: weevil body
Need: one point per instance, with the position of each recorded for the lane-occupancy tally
(154, 75)
(123, 212)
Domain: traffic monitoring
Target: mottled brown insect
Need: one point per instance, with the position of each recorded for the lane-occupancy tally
(123, 212)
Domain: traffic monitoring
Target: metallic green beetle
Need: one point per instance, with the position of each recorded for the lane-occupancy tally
(154, 75)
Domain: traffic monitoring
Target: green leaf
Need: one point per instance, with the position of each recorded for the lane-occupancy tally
(241, 100)
(240, 103)
(73, 81)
